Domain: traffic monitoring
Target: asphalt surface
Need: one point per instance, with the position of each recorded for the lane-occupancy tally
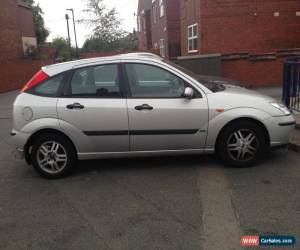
(182, 202)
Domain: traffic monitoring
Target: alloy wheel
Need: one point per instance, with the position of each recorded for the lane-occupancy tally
(52, 157)
(242, 145)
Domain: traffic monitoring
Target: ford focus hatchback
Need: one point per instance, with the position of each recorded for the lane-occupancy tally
(140, 105)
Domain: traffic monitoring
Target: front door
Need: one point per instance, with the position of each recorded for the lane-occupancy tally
(160, 118)
(94, 110)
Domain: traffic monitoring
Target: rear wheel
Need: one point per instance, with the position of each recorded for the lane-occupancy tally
(53, 156)
(242, 144)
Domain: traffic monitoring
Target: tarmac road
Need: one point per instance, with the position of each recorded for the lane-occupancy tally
(182, 202)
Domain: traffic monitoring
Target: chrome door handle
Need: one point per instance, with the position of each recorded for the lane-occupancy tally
(144, 107)
(75, 106)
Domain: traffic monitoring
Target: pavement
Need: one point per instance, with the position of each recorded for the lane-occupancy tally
(182, 202)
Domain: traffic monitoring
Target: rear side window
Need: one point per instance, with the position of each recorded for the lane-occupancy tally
(49, 87)
(100, 81)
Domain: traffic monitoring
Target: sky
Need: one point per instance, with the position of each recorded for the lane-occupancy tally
(55, 10)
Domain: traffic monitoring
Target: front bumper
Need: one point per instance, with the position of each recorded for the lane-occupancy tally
(280, 129)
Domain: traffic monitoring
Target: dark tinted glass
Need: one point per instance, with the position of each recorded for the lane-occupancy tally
(99, 81)
(49, 87)
(153, 82)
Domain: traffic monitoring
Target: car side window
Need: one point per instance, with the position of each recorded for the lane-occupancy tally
(100, 81)
(49, 87)
(147, 81)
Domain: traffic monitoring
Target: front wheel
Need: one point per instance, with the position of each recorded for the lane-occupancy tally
(242, 144)
(53, 156)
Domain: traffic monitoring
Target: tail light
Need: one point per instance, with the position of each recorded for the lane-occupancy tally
(35, 80)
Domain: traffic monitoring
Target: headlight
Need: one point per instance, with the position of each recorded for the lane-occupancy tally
(281, 107)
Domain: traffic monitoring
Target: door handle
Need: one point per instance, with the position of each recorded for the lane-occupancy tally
(144, 107)
(75, 106)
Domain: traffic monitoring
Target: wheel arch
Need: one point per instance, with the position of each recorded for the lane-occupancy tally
(249, 119)
(32, 138)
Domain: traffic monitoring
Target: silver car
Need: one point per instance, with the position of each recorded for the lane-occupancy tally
(140, 105)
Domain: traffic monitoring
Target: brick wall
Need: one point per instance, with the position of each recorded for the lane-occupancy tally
(25, 18)
(173, 27)
(159, 28)
(232, 26)
(10, 36)
(144, 34)
(254, 73)
(189, 14)
(15, 75)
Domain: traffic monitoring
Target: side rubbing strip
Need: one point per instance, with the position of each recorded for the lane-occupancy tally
(164, 132)
(106, 133)
(143, 132)
(287, 124)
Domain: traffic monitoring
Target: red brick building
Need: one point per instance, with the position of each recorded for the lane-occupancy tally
(159, 26)
(214, 26)
(245, 40)
(16, 29)
(235, 26)
(144, 25)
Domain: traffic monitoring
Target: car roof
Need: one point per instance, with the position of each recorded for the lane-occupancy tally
(62, 67)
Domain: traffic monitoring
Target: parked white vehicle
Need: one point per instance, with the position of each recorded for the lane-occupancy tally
(140, 105)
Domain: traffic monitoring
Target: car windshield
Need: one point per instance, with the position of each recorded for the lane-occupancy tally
(184, 70)
(212, 83)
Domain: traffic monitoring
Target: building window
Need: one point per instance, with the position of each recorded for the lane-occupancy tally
(162, 47)
(193, 38)
(161, 8)
(154, 12)
(144, 22)
(139, 23)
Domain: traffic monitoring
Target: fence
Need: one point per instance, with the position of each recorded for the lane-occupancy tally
(291, 83)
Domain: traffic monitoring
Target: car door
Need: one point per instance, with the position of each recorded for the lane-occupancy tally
(160, 118)
(93, 109)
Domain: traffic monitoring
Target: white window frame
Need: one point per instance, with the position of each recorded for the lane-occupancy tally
(193, 37)
(139, 23)
(154, 12)
(161, 8)
(162, 47)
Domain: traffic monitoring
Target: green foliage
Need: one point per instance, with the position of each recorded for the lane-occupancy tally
(63, 51)
(97, 44)
(106, 28)
(41, 31)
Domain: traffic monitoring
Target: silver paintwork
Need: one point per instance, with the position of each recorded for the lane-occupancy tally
(119, 114)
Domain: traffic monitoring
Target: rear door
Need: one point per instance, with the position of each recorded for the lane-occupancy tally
(93, 109)
(160, 118)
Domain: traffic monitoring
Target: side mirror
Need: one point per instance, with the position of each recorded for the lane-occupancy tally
(188, 93)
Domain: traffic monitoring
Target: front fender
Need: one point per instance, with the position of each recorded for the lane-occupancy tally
(217, 121)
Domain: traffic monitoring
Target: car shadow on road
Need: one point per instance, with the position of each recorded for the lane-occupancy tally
(139, 163)
(165, 162)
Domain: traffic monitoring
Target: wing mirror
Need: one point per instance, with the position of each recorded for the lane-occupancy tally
(188, 93)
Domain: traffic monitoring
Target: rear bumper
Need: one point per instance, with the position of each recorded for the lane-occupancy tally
(280, 129)
(19, 139)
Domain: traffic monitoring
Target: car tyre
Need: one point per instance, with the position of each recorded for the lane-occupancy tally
(53, 156)
(242, 144)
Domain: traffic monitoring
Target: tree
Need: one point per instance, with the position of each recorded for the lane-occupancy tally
(106, 28)
(104, 22)
(63, 50)
(41, 31)
(97, 44)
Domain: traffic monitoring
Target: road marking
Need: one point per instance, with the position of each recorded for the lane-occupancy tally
(221, 229)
